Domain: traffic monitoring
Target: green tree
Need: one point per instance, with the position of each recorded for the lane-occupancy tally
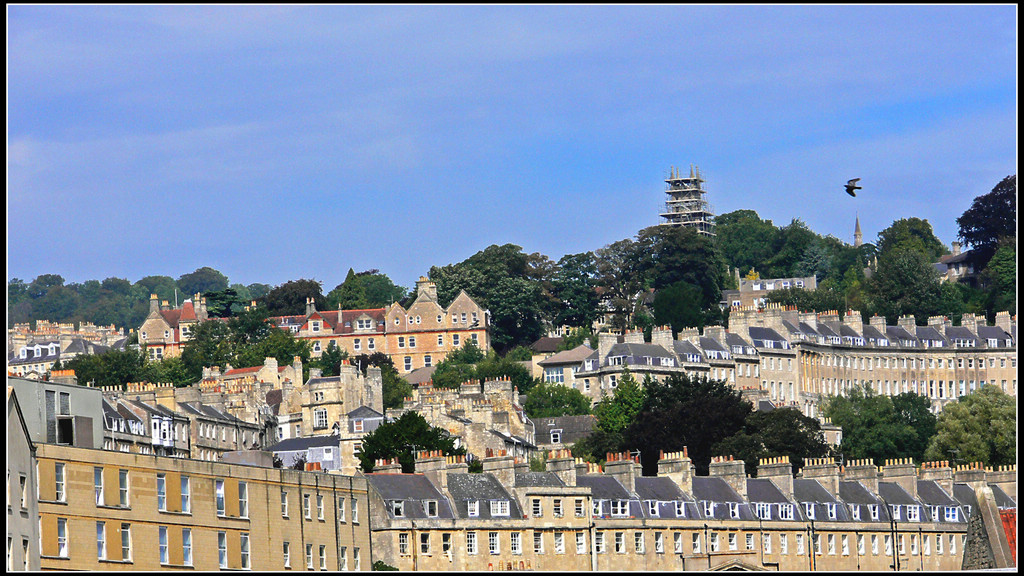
(258, 291)
(575, 287)
(202, 280)
(915, 410)
(790, 248)
(911, 234)
(992, 217)
(112, 368)
(289, 299)
(979, 427)
(779, 432)
(905, 283)
(520, 354)
(402, 438)
(1001, 276)
(745, 240)
(679, 306)
(330, 359)
(816, 261)
(617, 412)
(379, 290)
(828, 296)
(681, 411)
(872, 427)
(349, 295)
(577, 337)
(552, 400)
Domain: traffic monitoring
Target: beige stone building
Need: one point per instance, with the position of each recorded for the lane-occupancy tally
(576, 516)
(165, 330)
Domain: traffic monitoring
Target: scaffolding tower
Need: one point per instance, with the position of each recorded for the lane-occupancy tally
(686, 205)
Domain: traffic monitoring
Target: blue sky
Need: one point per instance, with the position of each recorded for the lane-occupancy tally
(275, 142)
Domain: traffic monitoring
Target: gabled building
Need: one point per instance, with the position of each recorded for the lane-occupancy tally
(165, 330)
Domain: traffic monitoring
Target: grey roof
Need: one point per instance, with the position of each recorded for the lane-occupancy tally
(898, 333)
(1003, 500)
(848, 331)
(765, 405)
(764, 490)
(83, 346)
(512, 438)
(574, 356)
(853, 492)
(546, 344)
(808, 329)
(414, 488)
(894, 494)
(828, 329)
(200, 409)
(871, 333)
(658, 488)
(639, 350)
(573, 428)
(539, 479)
(929, 333)
(762, 333)
(603, 487)
(686, 348)
(156, 409)
(365, 412)
(323, 380)
(304, 443)
(420, 375)
(810, 490)
(960, 333)
(792, 328)
(965, 495)
(711, 344)
(929, 492)
(484, 487)
(987, 332)
(714, 490)
(733, 339)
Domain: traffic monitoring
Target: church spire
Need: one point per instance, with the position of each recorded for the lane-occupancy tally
(857, 236)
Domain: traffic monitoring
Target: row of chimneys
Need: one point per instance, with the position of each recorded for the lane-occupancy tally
(678, 467)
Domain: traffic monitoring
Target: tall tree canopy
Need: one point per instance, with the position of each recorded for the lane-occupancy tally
(780, 432)
(402, 438)
(290, 298)
(905, 283)
(551, 400)
(979, 427)
(202, 280)
(990, 218)
(880, 427)
(911, 234)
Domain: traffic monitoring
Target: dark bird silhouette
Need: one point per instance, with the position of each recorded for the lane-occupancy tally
(851, 186)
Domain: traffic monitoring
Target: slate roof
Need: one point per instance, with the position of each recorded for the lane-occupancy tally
(414, 488)
(547, 344)
(897, 334)
(420, 375)
(810, 490)
(965, 495)
(1003, 500)
(573, 428)
(929, 492)
(274, 398)
(684, 348)
(930, 333)
(711, 344)
(853, 492)
(83, 346)
(828, 329)
(988, 332)
(760, 333)
(539, 479)
(736, 340)
(764, 490)
(809, 330)
(871, 333)
(574, 356)
(639, 350)
(714, 490)
(894, 494)
(483, 487)
(960, 333)
(207, 411)
(848, 331)
(658, 488)
(304, 443)
(603, 487)
(364, 412)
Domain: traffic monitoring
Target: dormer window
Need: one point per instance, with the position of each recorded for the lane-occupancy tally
(680, 509)
(364, 324)
(809, 510)
(734, 510)
(855, 512)
(653, 508)
(430, 508)
(913, 513)
(473, 508)
(315, 326)
(873, 508)
(620, 508)
(785, 511)
(709, 509)
(398, 508)
(830, 508)
(895, 512)
(952, 514)
(764, 511)
(499, 508)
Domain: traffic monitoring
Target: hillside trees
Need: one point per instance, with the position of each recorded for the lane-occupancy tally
(880, 427)
(911, 234)
(402, 438)
(991, 218)
(978, 427)
(290, 298)
(202, 280)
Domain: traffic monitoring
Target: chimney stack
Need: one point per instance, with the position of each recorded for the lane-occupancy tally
(972, 474)
(662, 336)
(878, 323)
(825, 471)
(677, 467)
(623, 468)
(605, 341)
(908, 323)
(780, 471)
(903, 472)
(732, 471)
(940, 473)
(563, 465)
(154, 303)
(863, 471)
(501, 465)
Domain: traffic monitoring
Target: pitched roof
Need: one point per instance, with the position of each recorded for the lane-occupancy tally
(546, 344)
(764, 490)
(853, 492)
(603, 487)
(538, 479)
(989, 332)
(639, 350)
(574, 356)
(960, 333)
(420, 375)
(929, 333)
(810, 490)
(714, 490)
(364, 412)
(304, 443)
(894, 494)
(658, 488)
(409, 487)
(464, 487)
(931, 493)
(573, 427)
(764, 334)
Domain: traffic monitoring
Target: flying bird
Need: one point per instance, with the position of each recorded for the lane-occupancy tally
(851, 186)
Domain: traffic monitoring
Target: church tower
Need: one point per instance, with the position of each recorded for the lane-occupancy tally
(858, 238)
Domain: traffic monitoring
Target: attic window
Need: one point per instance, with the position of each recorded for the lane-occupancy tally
(556, 436)
(430, 508)
(499, 508)
(397, 508)
(473, 508)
